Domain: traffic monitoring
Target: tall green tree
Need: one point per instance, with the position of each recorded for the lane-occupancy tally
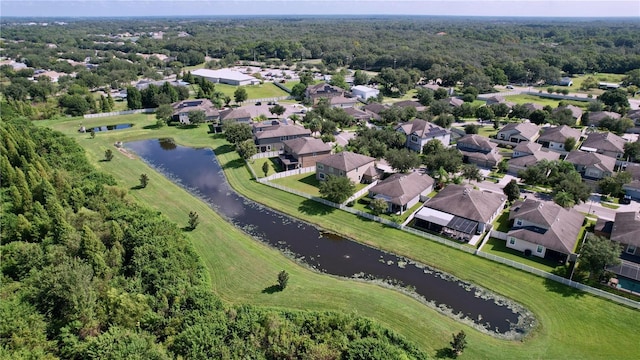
(402, 160)
(246, 149)
(240, 95)
(134, 98)
(512, 190)
(597, 253)
(337, 189)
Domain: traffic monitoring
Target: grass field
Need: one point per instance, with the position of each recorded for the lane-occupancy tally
(522, 99)
(499, 247)
(262, 91)
(571, 324)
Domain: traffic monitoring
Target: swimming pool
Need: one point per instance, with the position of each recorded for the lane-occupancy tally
(628, 284)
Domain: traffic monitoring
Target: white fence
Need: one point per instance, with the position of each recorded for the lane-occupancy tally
(266, 154)
(116, 113)
(361, 191)
(499, 235)
(282, 174)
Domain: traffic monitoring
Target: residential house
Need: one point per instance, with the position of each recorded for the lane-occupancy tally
(269, 136)
(455, 102)
(322, 90)
(632, 189)
(498, 100)
(402, 191)
(360, 115)
(531, 107)
(419, 132)
(626, 231)
(303, 152)
(346, 163)
(591, 165)
(342, 101)
(554, 137)
(479, 150)
(364, 92)
(226, 76)
(410, 103)
(375, 109)
(460, 212)
(605, 143)
(526, 148)
(595, 117)
(543, 228)
(634, 115)
(245, 114)
(518, 132)
(182, 108)
(517, 164)
(576, 112)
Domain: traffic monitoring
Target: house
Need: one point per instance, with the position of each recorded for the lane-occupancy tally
(460, 212)
(303, 152)
(245, 114)
(410, 103)
(626, 231)
(226, 76)
(634, 115)
(346, 163)
(182, 108)
(269, 136)
(322, 90)
(498, 100)
(554, 137)
(518, 132)
(543, 228)
(419, 132)
(595, 117)
(591, 165)
(359, 115)
(576, 112)
(605, 143)
(522, 162)
(402, 191)
(632, 189)
(455, 102)
(526, 148)
(375, 109)
(531, 107)
(342, 101)
(143, 84)
(364, 92)
(478, 150)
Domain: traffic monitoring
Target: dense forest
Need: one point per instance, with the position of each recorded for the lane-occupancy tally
(88, 274)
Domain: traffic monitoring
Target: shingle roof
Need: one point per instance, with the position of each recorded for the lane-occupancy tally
(605, 141)
(346, 161)
(559, 134)
(323, 88)
(282, 130)
(532, 106)
(526, 129)
(479, 141)
(375, 108)
(524, 161)
(596, 116)
(599, 161)
(422, 128)
(357, 113)
(527, 147)
(306, 145)
(466, 202)
(196, 104)
(559, 227)
(401, 188)
(576, 112)
(453, 101)
(626, 228)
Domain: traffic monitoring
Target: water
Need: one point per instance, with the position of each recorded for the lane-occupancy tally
(110, 127)
(199, 171)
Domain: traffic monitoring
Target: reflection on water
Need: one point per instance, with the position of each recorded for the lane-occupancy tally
(198, 171)
(110, 127)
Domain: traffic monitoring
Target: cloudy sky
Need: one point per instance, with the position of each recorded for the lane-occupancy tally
(539, 8)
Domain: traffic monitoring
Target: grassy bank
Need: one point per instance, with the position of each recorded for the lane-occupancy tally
(571, 324)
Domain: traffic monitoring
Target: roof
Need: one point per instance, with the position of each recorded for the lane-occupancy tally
(223, 74)
(422, 128)
(307, 145)
(468, 203)
(281, 130)
(496, 99)
(453, 101)
(479, 141)
(205, 105)
(626, 228)
(402, 188)
(527, 147)
(605, 141)
(596, 116)
(558, 228)
(533, 106)
(601, 162)
(524, 161)
(374, 108)
(364, 89)
(336, 100)
(346, 161)
(633, 114)
(525, 129)
(559, 134)
(576, 112)
(253, 111)
(634, 170)
(407, 103)
(357, 113)
(323, 88)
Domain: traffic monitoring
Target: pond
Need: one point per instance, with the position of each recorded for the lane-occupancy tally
(198, 171)
(110, 127)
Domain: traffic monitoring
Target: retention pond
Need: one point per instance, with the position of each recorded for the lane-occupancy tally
(198, 171)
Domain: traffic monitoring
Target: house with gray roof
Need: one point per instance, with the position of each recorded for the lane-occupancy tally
(590, 165)
(626, 231)
(554, 137)
(521, 163)
(410, 103)
(479, 150)
(347, 164)
(526, 148)
(576, 112)
(359, 115)
(269, 136)
(594, 118)
(455, 102)
(632, 189)
(531, 107)
(402, 191)
(322, 90)
(543, 228)
(605, 143)
(518, 132)
(182, 108)
(460, 212)
(342, 101)
(420, 132)
(303, 152)
(245, 114)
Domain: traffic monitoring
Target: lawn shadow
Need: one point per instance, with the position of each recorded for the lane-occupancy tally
(310, 180)
(234, 164)
(151, 127)
(187, 228)
(311, 207)
(223, 149)
(137, 187)
(445, 353)
(271, 289)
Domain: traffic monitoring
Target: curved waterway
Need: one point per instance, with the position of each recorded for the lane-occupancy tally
(198, 171)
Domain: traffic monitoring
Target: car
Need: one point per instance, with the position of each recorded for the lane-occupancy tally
(258, 103)
(509, 86)
(625, 200)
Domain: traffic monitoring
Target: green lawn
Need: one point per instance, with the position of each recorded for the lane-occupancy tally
(306, 183)
(262, 91)
(256, 165)
(501, 223)
(522, 99)
(571, 324)
(362, 204)
(499, 248)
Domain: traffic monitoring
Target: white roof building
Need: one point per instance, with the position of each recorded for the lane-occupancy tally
(364, 92)
(226, 76)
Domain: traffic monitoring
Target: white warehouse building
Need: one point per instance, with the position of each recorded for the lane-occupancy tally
(364, 92)
(226, 76)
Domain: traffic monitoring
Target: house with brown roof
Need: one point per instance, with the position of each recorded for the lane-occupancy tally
(632, 189)
(359, 115)
(591, 165)
(346, 163)
(303, 152)
(374, 109)
(518, 132)
(517, 164)
(182, 108)
(526, 148)
(626, 231)
(605, 143)
(402, 191)
(594, 118)
(269, 136)
(245, 114)
(419, 132)
(531, 107)
(343, 101)
(410, 103)
(322, 90)
(455, 102)
(576, 112)
(479, 150)
(554, 137)
(460, 212)
(543, 228)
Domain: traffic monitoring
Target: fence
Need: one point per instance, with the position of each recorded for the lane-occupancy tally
(499, 235)
(267, 100)
(560, 97)
(282, 174)
(266, 154)
(116, 113)
(362, 191)
(281, 86)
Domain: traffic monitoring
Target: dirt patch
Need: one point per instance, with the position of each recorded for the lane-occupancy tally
(126, 153)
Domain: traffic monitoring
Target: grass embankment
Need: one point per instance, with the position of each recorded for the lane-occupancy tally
(572, 324)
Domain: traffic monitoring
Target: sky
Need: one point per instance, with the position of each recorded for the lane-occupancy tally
(517, 8)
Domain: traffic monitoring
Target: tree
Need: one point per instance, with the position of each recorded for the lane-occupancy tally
(471, 172)
(569, 144)
(632, 151)
(298, 91)
(564, 199)
(240, 95)
(92, 133)
(597, 253)
(196, 117)
(164, 113)
(500, 110)
(402, 159)
(538, 117)
(616, 100)
(512, 190)
(471, 129)
(108, 155)
(144, 180)
(134, 98)
(283, 279)
(337, 188)
(246, 149)
(193, 220)
(236, 132)
(379, 206)
(265, 168)
(458, 343)
(277, 109)
(360, 78)
(612, 185)
(485, 113)
(338, 80)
